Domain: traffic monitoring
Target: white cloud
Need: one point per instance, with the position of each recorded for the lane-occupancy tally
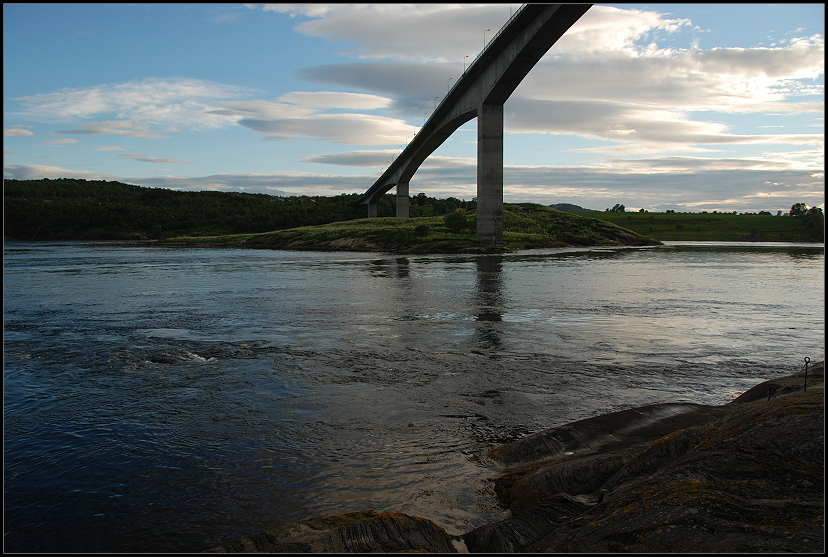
(446, 33)
(111, 148)
(285, 120)
(354, 129)
(38, 172)
(115, 127)
(436, 32)
(282, 120)
(732, 80)
(367, 159)
(610, 29)
(335, 99)
(639, 128)
(62, 141)
(261, 109)
(382, 157)
(170, 102)
(16, 131)
(144, 158)
(411, 86)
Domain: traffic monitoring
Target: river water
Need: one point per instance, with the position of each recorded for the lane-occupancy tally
(171, 399)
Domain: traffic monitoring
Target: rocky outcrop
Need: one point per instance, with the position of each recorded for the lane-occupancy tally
(362, 532)
(746, 476)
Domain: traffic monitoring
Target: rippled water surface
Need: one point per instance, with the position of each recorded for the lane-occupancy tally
(163, 399)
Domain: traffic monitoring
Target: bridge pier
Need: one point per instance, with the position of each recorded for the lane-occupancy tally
(480, 92)
(490, 173)
(402, 199)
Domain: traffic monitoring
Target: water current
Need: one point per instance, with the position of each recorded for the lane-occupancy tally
(171, 399)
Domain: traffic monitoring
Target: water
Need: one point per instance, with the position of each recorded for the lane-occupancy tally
(164, 399)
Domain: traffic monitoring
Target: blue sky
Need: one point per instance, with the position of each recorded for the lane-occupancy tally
(687, 107)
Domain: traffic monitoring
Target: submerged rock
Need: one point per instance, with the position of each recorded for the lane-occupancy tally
(362, 532)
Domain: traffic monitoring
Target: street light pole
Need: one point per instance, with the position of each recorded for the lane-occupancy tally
(435, 102)
(447, 84)
(484, 38)
(464, 63)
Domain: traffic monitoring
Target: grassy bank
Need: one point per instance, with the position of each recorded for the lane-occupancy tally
(525, 225)
(709, 226)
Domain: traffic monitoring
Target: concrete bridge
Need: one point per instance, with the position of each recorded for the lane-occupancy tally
(480, 93)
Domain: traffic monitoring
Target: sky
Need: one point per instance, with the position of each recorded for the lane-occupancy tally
(689, 107)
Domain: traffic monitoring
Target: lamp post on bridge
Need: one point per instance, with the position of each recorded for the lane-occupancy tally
(447, 84)
(435, 102)
(515, 54)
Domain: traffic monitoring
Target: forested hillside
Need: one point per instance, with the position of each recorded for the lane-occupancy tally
(67, 209)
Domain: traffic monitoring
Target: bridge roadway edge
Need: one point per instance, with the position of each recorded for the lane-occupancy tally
(483, 88)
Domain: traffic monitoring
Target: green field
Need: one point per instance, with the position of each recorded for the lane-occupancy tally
(710, 226)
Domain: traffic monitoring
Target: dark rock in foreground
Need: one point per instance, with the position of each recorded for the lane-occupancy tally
(746, 476)
(362, 532)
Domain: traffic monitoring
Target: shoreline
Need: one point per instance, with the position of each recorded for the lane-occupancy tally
(360, 245)
(744, 476)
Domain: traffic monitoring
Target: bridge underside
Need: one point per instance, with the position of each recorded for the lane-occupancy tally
(481, 92)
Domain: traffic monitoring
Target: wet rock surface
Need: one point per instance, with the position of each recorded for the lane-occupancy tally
(362, 532)
(744, 477)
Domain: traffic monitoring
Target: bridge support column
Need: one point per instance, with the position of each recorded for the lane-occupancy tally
(490, 173)
(372, 210)
(402, 200)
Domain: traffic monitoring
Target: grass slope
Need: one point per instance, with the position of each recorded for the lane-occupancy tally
(526, 225)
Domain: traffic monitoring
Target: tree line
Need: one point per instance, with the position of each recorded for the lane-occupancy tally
(75, 209)
(812, 219)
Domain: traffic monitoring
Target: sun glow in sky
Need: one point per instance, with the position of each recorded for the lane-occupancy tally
(687, 107)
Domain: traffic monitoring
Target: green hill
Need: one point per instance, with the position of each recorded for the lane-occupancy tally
(525, 226)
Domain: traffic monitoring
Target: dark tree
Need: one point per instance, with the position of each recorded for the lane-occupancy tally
(798, 210)
(456, 221)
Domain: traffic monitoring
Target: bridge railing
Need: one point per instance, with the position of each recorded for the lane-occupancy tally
(499, 32)
(456, 83)
(476, 58)
(485, 47)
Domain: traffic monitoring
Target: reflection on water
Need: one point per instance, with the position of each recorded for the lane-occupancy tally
(489, 301)
(172, 399)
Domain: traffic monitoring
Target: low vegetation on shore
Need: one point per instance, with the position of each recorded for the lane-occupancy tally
(525, 226)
